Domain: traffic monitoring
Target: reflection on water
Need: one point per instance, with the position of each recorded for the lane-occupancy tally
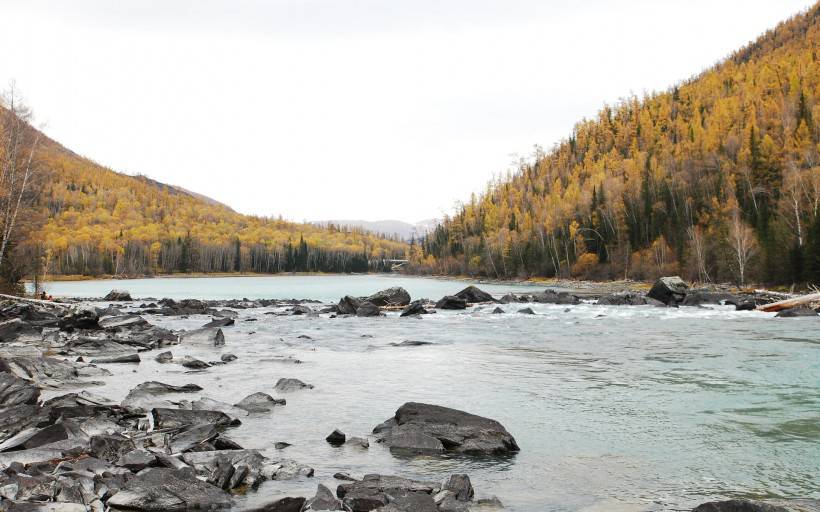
(642, 409)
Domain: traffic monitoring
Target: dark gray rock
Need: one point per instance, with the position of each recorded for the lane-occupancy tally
(412, 343)
(460, 486)
(227, 358)
(375, 491)
(259, 402)
(194, 363)
(336, 438)
(526, 311)
(160, 489)
(348, 305)
(287, 385)
(738, 506)
(80, 317)
(301, 309)
(413, 441)
(701, 297)
(164, 357)
(508, 299)
(178, 418)
(473, 294)
(137, 460)
(219, 322)
(627, 298)
(395, 296)
(554, 297)
(796, 312)
(414, 308)
(110, 447)
(745, 305)
(118, 296)
(287, 504)
(193, 437)
(125, 358)
(669, 290)
(16, 328)
(368, 309)
(17, 391)
(323, 500)
(451, 302)
(457, 431)
(121, 322)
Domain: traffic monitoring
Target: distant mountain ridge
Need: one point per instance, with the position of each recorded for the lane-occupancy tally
(403, 230)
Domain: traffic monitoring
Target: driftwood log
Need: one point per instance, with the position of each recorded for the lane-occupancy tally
(790, 303)
(34, 301)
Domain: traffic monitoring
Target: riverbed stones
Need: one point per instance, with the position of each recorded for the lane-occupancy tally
(474, 294)
(669, 290)
(457, 431)
(161, 489)
(118, 296)
(395, 296)
(451, 302)
(550, 296)
(287, 385)
(17, 391)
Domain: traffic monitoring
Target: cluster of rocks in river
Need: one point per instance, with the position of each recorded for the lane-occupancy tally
(155, 451)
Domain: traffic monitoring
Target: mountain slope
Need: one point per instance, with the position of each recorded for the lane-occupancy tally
(103, 222)
(717, 178)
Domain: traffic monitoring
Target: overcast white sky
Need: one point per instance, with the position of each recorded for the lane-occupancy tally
(357, 109)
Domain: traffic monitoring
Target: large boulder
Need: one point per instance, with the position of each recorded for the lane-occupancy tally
(395, 296)
(118, 296)
(323, 500)
(348, 305)
(451, 302)
(457, 431)
(472, 295)
(669, 290)
(160, 489)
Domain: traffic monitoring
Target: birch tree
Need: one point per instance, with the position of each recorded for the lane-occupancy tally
(17, 164)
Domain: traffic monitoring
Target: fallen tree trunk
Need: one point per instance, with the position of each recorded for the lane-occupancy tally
(34, 301)
(790, 303)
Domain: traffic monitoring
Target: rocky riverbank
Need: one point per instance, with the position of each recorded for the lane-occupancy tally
(169, 447)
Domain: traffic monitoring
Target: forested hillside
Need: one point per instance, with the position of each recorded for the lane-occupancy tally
(717, 179)
(98, 221)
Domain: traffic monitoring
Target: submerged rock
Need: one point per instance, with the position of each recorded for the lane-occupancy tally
(473, 294)
(451, 302)
(285, 385)
(526, 311)
(796, 312)
(417, 425)
(395, 296)
(498, 311)
(739, 506)
(669, 290)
